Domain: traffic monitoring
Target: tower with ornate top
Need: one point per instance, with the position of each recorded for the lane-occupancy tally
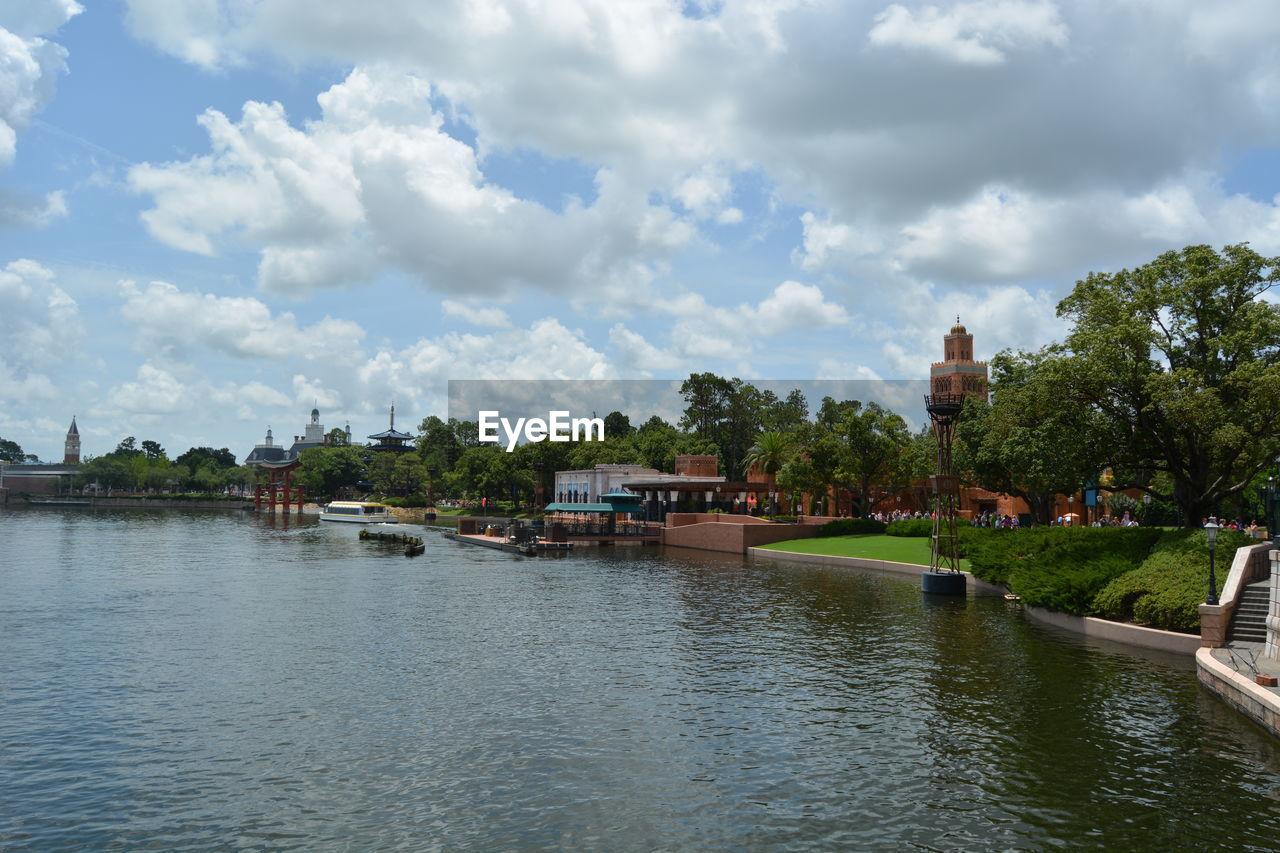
(71, 450)
(958, 372)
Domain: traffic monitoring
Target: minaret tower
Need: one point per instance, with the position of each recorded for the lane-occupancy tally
(958, 373)
(71, 450)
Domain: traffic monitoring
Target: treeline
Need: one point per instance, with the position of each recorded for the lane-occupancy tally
(146, 467)
(1167, 385)
(858, 451)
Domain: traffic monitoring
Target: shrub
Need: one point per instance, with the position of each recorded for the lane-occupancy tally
(1059, 568)
(851, 527)
(1166, 590)
(912, 527)
(920, 527)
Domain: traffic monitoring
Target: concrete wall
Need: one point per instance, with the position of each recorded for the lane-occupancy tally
(1256, 702)
(680, 519)
(732, 534)
(976, 585)
(1119, 632)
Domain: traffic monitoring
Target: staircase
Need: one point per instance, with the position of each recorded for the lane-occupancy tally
(1249, 622)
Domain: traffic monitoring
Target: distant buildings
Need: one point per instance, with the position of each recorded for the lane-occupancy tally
(313, 435)
(44, 478)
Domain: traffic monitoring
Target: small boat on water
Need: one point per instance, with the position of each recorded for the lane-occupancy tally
(358, 512)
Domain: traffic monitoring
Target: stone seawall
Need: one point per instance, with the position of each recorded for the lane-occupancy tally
(143, 503)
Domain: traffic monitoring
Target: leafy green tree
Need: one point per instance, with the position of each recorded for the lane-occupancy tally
(876, 441)
(439, 443)
(337, 437)
(617, 425)
(771, 452)
(324, 471)
(784, 415)
(1031, 442)
(486, 471)
(10, 451)
(128, 446)
(1179, 359)
(197, 457)
(616, 451)
(152, 450)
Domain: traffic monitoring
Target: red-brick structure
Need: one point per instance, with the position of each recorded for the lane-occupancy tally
(71, 449)
(958, 372)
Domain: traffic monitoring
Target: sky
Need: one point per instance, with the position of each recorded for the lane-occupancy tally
(215, 214)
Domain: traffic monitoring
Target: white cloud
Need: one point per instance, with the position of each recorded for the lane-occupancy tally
(154, 391)
(377, 181)
(29, 65)
(636, 352)
(478, 315)
(41, 331)
(977, 33)
(238, 326)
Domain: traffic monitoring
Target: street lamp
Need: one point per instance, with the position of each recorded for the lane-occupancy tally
(1211, 533)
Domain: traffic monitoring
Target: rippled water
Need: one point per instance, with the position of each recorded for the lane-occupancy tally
(175, 680)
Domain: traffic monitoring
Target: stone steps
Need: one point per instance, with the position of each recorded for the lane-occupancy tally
(1249, 622)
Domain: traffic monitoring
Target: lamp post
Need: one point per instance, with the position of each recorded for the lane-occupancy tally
(1211, 533)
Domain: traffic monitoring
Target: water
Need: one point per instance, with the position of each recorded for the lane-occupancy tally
(193, 681)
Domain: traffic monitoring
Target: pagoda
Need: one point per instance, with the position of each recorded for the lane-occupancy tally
(390, 439)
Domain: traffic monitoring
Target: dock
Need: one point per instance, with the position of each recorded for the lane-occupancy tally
(526, 549)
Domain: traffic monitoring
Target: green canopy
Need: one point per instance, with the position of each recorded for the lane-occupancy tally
(618, 507)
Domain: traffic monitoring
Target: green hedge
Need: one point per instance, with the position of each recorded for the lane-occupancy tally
(851, 527)
(1167, 589)
(919, 527)
(1057, 568)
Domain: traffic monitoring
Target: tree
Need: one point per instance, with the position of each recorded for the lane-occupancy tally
(337, 437)
(196, 457)
(769, 454)
(326, 470)
(152, 450)
(1031, 442)
(1178, 358)
(128, 446)
(10, 451)
(876, 440)
(617, 425)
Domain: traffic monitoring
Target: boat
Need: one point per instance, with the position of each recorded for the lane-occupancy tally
(358, 512)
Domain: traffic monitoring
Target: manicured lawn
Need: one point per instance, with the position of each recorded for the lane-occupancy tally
(900, 549)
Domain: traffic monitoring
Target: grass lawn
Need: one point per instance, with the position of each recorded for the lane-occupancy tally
(874, 546)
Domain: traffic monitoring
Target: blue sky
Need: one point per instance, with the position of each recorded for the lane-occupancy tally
(217, 213)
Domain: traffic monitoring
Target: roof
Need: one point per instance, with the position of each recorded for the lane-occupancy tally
(622, 508)
(73, 430)
(391, 434)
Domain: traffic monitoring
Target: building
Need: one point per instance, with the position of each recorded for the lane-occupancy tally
(71, 448)
(696, 486)
(958, 372)
(390, 440)
(43, 478)
(313, 435)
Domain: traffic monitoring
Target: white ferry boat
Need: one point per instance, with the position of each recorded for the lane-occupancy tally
(358, 512)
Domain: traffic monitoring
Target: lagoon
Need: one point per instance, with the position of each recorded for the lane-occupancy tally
(224, 680)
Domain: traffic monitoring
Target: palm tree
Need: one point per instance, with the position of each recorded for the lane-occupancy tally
(769, 454)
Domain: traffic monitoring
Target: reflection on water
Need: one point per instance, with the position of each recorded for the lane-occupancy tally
(220, 680)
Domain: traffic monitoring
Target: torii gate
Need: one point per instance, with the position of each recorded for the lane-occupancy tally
(279, 487)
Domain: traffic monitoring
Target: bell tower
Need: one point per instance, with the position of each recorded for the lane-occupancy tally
(958, 373)
(71, 450)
